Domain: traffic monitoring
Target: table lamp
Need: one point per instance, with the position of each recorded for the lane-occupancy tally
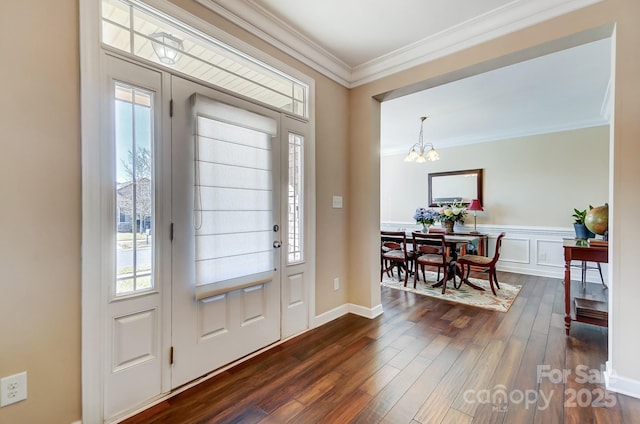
(475, 206)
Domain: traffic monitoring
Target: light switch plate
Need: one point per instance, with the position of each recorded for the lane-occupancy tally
(337, 202)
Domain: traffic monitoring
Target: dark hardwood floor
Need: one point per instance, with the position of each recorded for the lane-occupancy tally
(423, 361)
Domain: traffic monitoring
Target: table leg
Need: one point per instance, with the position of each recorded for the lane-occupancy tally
(450, 275)
(469, 283)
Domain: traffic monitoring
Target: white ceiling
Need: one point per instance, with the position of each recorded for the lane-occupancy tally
(560, 91)
(359, 31)
(356, 41)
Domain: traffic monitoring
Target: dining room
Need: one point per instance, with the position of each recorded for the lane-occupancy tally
(541, 151)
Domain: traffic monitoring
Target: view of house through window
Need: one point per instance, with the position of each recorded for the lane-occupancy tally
(295, 209)
(134, 189)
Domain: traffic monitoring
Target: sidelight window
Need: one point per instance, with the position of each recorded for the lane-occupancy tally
(134, 200)
(295, 205)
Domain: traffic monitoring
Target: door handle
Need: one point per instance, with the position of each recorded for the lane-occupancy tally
(277, 244)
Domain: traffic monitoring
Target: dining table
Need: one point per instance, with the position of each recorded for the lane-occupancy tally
(453, 242)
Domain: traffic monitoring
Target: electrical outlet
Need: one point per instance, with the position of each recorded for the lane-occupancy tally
(13, 388)
(336, 284)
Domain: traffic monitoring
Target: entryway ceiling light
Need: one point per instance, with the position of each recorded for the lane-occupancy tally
(167, 47)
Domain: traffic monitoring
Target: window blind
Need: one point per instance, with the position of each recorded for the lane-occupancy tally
(233, 198)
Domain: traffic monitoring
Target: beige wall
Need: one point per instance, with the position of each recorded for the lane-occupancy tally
(332, 118)
(529, 181)
(625, 174)
(40, 209)
(40, 206)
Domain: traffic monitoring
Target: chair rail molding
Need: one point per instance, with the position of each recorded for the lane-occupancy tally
(528, 250)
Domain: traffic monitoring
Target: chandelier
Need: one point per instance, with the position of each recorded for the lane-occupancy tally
(418, 152)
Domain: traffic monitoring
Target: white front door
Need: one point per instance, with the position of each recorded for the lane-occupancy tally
(226, 186)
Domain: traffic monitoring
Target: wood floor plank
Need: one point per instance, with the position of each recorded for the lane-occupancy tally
(543, 316)
(387, 398)
(414, 364)
(550, 406)
(480, 379)
(586, 399)
(318, 389)
(522, 408)
(409, 403)
(629, 408)
(346, 410)
(439, 401)
(493, 410)
(284, 413)
(379, 380)
(456, 417)
(434, 348)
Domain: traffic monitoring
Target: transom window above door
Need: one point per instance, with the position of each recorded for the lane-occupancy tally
(135, 28)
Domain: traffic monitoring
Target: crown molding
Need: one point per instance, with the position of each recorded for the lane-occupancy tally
(504, 135)
(271, 29)
(511, 17)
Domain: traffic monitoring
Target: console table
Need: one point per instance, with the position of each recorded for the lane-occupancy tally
(580, 309)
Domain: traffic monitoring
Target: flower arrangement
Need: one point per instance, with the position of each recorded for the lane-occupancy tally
(425, 216)
(455, 212)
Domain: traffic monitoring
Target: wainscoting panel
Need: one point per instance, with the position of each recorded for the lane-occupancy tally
(525, 250)
(549, 253)
(514, 249)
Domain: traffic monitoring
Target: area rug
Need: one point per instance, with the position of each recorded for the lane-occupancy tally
(465, 294)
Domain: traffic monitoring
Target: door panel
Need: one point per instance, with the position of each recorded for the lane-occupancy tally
(225, 278)
(133, 358)
(296, 286)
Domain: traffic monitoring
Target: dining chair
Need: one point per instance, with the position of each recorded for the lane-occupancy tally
(431, 250)
(436, 230)
(393, 253)
(467, 261)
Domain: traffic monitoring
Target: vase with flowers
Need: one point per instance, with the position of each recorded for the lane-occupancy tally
(426, 217)
(450, 214)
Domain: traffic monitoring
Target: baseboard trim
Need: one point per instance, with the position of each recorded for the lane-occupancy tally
(348, 308)
(622, 385)
(366, 312)
(330, 315)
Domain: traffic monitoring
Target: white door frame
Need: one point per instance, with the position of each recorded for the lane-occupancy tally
(92, 295)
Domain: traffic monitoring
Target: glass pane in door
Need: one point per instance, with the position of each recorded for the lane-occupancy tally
(134, 189)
